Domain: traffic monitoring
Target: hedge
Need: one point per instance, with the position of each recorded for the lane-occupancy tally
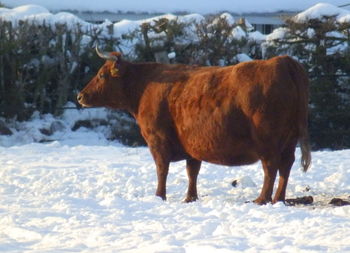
(43, 67)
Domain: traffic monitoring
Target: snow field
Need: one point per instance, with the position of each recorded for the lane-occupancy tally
(60, 197)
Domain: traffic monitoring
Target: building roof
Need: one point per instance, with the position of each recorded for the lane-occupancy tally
(189, 6)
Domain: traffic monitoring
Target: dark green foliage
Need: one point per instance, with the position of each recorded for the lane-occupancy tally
(11, 80)
(41, 67)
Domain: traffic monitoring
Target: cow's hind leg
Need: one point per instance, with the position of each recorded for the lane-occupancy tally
(192, 167)
(287, 160)
(270, 171)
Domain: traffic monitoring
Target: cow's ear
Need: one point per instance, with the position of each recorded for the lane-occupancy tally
(115, 69)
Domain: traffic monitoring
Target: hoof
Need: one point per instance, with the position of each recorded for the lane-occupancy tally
(190, 199)
(260, 201)
(162, 197)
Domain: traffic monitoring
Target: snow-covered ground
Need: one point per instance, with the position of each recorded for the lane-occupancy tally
(82, 193)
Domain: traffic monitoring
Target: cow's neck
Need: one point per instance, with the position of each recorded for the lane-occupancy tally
(136, 78)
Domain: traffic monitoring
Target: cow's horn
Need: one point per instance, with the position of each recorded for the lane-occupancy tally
(106, 55)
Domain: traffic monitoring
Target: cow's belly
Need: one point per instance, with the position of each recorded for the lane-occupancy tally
(224, 152)
(221, 141)
(231, 159)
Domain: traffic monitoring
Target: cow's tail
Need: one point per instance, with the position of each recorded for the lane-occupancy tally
(305, 151)
(301, 81)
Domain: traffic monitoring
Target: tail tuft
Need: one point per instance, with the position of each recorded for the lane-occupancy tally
(305, 152)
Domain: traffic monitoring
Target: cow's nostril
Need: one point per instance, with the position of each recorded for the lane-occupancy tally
(79, 97)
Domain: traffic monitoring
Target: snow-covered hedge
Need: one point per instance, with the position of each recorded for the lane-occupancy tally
(46, 58)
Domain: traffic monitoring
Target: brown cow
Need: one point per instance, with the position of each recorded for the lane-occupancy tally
(233, 115)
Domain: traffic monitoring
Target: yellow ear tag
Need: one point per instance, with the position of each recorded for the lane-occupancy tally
(114, 72)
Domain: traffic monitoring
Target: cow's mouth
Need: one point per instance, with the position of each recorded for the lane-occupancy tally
(84, 105)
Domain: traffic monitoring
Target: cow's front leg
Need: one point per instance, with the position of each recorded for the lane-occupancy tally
(192, 166)
(162, 173)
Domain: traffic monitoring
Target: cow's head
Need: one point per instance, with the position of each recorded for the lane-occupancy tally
(106, 88)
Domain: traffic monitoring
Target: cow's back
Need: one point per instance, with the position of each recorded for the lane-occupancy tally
(231, 115)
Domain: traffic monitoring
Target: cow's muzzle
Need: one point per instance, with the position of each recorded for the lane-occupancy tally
(81, 100)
